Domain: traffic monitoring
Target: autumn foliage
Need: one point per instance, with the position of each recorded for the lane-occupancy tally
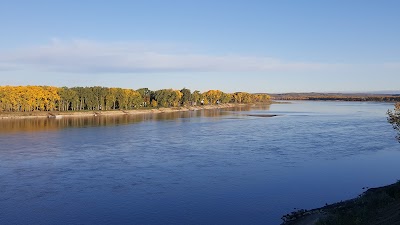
(28, 98)
(47, 98)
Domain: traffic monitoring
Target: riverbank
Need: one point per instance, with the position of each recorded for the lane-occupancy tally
(376, 206)
(60, 114)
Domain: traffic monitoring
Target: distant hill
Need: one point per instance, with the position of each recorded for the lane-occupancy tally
(385, 92)
(383, 96)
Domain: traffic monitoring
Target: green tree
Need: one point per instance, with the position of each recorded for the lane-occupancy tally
(99, 95)
(69, 99)
(196, 97)
(175, 98)
(90, 98)
(226, 98)
(81, 100)
(161, 97)
(122, 98)
(135, 99)
(168, 97)
(111, 98)
(186, 96)
(145, 93)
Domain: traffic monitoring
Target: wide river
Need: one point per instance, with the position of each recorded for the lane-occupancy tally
(203, 167)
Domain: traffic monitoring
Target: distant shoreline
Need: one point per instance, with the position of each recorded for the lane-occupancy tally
(61, 114)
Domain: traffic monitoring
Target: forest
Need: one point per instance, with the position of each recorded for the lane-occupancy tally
(48, 98)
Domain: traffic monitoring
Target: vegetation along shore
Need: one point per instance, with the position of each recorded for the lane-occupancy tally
(42, 101)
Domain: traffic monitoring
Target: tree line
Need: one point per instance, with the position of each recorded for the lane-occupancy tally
(48, 98)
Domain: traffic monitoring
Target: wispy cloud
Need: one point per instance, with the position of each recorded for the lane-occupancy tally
(94, 57)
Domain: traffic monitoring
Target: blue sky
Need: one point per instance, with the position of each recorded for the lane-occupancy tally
(255, 46)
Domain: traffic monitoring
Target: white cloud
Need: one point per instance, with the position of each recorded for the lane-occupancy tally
(118, 57)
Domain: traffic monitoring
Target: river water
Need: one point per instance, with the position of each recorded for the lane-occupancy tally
(204, 167)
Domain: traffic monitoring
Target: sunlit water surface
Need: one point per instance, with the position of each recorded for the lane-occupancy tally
(203, 167)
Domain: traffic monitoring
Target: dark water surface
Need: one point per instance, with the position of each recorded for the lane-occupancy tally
(204, 167)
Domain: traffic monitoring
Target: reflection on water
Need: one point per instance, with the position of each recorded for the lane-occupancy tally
(198, 167)
(255, 107)
(49, 124)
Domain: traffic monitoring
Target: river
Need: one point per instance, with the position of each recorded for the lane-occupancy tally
(203, 167)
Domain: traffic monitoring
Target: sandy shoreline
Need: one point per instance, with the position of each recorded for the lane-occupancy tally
(60, 114)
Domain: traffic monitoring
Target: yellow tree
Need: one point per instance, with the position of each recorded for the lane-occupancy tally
(5, 98)
(176, 97)
(212, 96)
(242, 97)
(26, 95)
(226, 98)
(2, 99)
(135, 99)
(51, 97)
(154, 103)
(15, 97)
(261, 98)
(111, 98)
(31, 98)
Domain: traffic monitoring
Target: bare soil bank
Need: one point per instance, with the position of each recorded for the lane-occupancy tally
(59, 114)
